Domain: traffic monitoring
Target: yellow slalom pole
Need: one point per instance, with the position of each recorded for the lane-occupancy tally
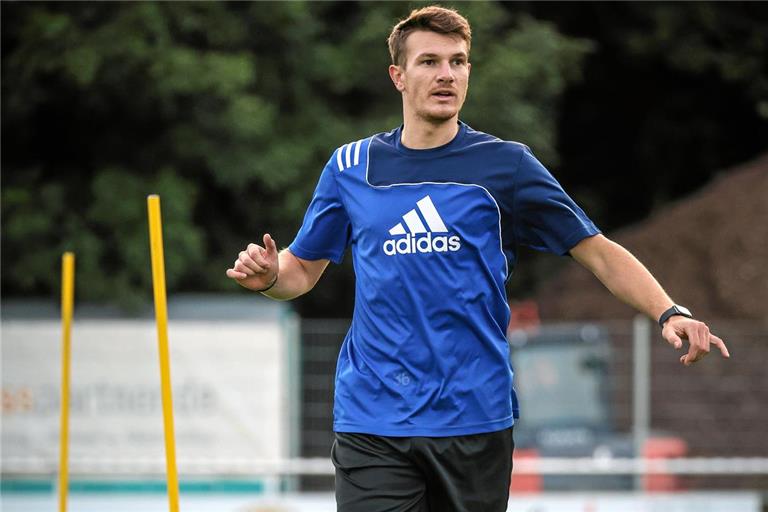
(161, 318)
(67, 299)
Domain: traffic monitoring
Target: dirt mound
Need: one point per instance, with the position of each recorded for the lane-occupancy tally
(709, 251)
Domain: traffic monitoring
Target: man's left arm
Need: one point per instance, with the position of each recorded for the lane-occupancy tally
(630, 281)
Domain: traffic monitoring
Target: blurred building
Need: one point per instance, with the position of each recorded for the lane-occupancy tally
(710, 252)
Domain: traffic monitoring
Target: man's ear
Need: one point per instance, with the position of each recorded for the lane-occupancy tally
(396, 74)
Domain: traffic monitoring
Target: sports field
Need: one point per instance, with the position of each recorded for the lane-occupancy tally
(324, 502)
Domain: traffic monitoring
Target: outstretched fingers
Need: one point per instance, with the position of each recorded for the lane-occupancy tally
(719, 343)
(701, 340)
(698, 337)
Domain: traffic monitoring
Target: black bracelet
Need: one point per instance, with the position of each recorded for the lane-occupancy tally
(274, 282)
(675, 310)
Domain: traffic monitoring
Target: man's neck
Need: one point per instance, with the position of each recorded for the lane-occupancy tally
(422, 134)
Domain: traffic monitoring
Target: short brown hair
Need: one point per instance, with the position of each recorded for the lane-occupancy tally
(433, 18)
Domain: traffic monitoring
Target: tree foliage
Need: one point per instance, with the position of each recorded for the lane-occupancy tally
(228, 111)
(672, 94)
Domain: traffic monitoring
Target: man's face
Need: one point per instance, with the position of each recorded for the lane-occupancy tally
(435, 76)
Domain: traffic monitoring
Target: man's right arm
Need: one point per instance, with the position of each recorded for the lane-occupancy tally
(280, 276)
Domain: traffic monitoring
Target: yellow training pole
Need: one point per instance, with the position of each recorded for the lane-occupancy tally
(161, 317)
(67, 299)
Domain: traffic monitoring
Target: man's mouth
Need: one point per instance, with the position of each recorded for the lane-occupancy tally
(444, 94)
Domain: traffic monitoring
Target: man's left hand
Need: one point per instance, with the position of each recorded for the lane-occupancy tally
(679, 328)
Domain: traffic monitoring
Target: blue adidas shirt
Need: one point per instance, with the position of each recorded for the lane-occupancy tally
(433, 235)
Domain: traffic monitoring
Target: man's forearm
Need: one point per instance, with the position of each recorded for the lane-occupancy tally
(630, 281)
(623, 275)
(295, 276)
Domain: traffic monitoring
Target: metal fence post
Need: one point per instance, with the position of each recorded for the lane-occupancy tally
(641, 387)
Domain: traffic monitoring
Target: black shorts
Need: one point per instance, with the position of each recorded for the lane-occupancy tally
(423, 474)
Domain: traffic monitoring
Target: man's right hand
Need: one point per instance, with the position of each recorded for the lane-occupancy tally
(257, 267)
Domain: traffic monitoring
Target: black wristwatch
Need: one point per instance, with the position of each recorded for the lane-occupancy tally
(674, 311)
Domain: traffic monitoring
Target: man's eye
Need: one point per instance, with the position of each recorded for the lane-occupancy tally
(428, 62)
(459, 62)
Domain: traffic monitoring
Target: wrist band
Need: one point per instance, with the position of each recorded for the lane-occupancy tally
(676, 309)
(274, 282)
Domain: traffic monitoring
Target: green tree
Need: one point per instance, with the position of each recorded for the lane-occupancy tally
(228, 111)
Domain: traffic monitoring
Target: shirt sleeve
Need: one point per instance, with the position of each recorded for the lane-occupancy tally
(545, 218)
(326, 230)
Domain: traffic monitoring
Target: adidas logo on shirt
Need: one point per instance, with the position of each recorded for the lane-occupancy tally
(420, 238)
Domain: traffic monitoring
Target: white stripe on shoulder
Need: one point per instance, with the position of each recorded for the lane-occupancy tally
(357, 151)
(348, 155)
(338, 158)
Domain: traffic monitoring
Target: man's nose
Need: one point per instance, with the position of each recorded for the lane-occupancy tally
(445, 73)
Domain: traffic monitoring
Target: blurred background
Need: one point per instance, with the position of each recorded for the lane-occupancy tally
(653, 116)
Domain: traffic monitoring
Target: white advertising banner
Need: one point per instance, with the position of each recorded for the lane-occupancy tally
(231, 395)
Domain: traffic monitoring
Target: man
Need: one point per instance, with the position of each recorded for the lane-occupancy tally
(433, 212)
